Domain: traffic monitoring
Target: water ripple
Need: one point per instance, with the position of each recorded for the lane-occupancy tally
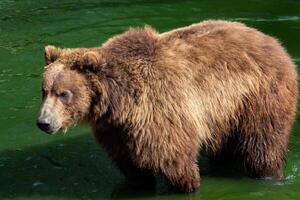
(10, 73)
(276, 19)
(296, 59)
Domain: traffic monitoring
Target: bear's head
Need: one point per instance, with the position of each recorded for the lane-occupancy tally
(67, 91)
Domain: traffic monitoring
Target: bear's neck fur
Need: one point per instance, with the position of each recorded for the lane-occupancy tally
(117, 73)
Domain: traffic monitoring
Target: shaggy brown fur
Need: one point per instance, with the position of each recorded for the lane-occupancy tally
(154, 100)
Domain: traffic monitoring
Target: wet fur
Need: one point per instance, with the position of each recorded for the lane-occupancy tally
(157, 99)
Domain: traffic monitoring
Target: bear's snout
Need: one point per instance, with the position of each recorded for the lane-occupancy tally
(46, 124)
(49, 117)
(43, 123)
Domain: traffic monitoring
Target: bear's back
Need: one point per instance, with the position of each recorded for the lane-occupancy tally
(200, 29)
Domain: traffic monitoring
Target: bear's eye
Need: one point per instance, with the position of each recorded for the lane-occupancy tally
(65, 95)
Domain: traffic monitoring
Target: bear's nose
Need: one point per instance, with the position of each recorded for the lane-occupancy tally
(43, 124)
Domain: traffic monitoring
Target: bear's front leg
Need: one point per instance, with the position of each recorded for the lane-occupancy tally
(136, 176)
(182, 173)
(172, 153)
(112, 140)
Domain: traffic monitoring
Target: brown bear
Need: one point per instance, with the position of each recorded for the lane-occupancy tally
(154, 100)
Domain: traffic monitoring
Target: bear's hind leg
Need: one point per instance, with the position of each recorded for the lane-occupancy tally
(264, 155)
(264, 130)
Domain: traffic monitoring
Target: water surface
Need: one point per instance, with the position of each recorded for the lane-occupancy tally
(34, 165)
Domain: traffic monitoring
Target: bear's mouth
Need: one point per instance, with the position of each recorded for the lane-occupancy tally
(57, 130)
(52, 131)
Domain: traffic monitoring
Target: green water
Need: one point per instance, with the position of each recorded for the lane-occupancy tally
(34, 165)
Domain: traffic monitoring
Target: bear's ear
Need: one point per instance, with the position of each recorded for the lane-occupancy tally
(52, 53)
(92, 60)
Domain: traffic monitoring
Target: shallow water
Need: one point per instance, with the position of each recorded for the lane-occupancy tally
(34, 165)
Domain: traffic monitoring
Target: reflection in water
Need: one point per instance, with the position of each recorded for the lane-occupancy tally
(58, 168)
